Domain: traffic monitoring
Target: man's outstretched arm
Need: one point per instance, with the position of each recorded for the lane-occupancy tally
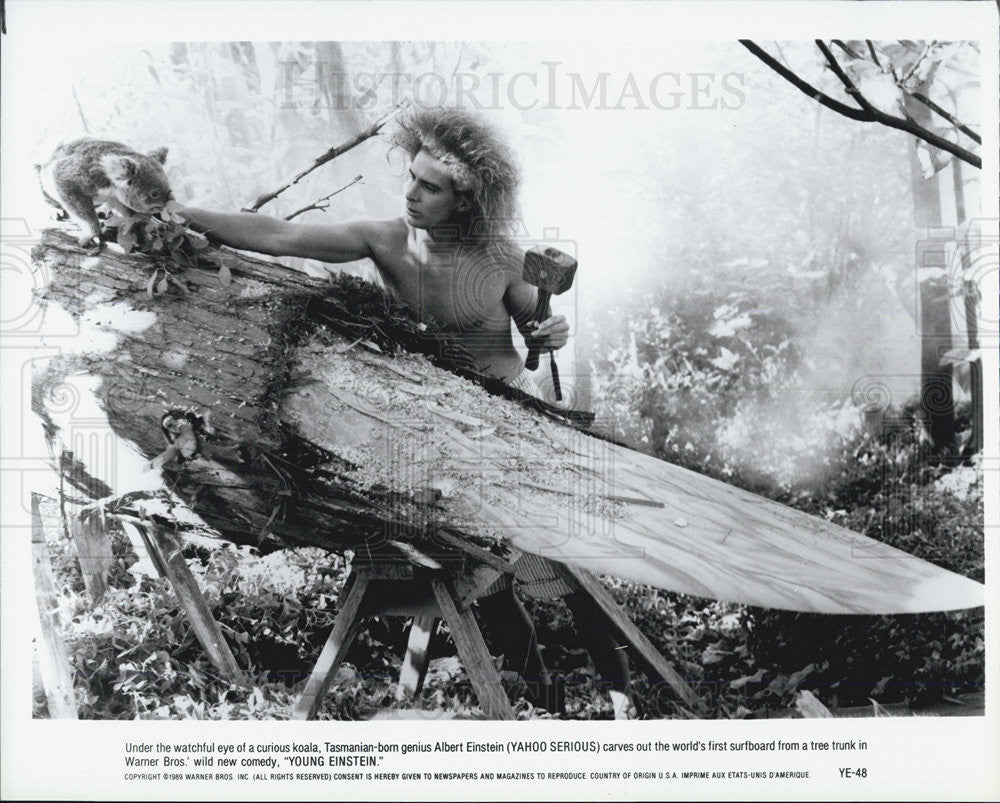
(249, 231)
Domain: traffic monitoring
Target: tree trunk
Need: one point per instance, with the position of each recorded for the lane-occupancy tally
(936, 395)
(970, 303)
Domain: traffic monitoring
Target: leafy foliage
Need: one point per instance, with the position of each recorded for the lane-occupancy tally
(167, 236)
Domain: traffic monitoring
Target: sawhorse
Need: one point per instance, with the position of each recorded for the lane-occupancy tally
(429, 595)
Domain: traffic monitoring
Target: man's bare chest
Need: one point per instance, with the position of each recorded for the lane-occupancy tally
(464, 293)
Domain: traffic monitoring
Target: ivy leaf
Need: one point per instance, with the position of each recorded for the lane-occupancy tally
(225, 276)
(726, 360)
(162, 286)
(126, 240)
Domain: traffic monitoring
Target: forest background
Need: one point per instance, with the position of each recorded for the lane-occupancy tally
(747, 306)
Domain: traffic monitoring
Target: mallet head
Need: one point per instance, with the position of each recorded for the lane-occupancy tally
(549, 269)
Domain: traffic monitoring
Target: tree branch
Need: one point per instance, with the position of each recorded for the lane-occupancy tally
(318, 204)
(878, 116)
(845, 79)
(843, 46)
(916, 64)
(871, 49)
(804, 86)
(329, 156)
(868, 113)
(930, 104)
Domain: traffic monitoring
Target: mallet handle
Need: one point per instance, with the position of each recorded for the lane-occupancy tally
(556, 385)
(541, 314)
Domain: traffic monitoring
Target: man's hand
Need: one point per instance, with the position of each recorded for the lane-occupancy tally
(553, 332)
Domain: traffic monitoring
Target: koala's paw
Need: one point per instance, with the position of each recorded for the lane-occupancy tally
(90, 241)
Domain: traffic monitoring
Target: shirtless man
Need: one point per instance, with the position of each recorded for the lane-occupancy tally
(452, 258)
(426, 258)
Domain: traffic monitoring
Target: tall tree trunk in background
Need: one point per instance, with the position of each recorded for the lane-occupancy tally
(970, 299)
(936, 396)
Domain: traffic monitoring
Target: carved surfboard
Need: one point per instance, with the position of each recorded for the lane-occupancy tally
(509, 472)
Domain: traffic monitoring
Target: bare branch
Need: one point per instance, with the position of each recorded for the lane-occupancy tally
(874, 55)
(79, 109)
(923, 98)
(843, 46)
(920, 58)
(321, 203)
(930, 104)
(878, 116)
(845, 79)
(867, 113)
(329, 156)
(804, 86)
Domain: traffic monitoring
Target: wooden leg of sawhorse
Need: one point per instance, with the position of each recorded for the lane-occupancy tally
(165, 552)
(345, 628)
(468, 586)
(473, 654)
(418, 655)
(645, 654)
(465, 631)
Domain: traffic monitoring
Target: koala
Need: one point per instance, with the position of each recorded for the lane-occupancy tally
(82, 174)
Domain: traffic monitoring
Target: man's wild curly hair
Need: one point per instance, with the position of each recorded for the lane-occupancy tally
(482, 166)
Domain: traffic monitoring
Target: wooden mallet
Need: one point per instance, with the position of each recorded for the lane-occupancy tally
(552, 272)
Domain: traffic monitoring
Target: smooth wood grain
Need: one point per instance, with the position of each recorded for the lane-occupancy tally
(562, 494)
(398, 423)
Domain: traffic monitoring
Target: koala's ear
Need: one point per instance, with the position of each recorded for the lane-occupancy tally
(120, 168)
(160, 154)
